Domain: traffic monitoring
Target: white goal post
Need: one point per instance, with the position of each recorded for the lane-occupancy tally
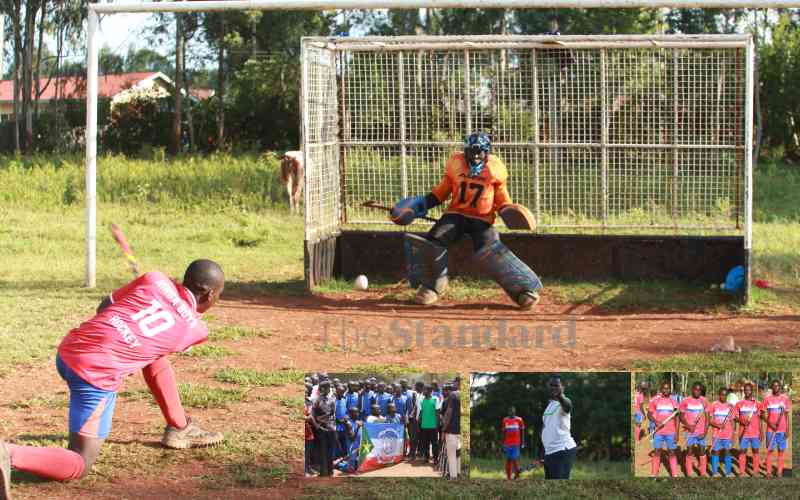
(96, 9)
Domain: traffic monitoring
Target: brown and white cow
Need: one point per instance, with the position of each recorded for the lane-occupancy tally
(292, 177)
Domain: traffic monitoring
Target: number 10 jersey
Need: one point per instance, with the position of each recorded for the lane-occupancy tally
(150, 317)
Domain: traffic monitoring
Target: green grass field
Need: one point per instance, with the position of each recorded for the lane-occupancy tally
(225, 209)
(494, 468)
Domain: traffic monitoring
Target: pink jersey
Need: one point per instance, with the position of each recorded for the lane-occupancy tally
(722, 413)
(694, 411)
(148, 318)
(662, 408)
(773, 405)
(749, 414)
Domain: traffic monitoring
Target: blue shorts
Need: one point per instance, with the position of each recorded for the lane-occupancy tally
(722, 444)
(639, 418)
(696, 441)
(753, 443)
(668, 439)
(779, 442)
(90, 409)
(511, 451)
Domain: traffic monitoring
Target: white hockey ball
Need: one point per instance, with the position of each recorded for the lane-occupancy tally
(361, 283)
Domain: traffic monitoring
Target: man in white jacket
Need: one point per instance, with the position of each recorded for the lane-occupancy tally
(559, 446)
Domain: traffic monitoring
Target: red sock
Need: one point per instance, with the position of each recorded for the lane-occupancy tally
(673, 465)
(756, 463)
(742, 463)
(780, 463)
(58, 464)
(638, 432)
(508, 469)
(769, 463)
(655, 465)
(703, 464)
(160, 379)
(689, 462)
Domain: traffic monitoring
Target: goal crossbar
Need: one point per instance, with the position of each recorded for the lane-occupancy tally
(208, 6)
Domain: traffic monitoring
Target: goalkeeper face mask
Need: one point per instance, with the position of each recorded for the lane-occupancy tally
(476, 152)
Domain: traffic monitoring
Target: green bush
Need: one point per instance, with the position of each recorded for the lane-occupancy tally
(138, 124)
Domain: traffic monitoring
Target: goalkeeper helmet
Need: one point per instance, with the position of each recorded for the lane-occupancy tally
(474, 147)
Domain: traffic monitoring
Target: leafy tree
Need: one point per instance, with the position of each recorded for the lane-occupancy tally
(779, 70)
(110, 63)
(147, 60)
(600, 418)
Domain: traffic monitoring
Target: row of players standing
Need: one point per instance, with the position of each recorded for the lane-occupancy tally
(335, 410)
(757, 422)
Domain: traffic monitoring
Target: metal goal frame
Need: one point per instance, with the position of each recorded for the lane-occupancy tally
(615, 135)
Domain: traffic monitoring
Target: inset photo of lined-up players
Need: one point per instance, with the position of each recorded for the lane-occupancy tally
(530, 425)
(713, 424)
(377, 425)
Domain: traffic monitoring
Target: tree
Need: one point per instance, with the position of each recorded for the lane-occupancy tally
(779, 71)
(109, 63)
(600, 418)
(697, 21)
(147, 60)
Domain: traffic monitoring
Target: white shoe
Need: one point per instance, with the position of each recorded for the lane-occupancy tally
(425, 296)
(527, 300)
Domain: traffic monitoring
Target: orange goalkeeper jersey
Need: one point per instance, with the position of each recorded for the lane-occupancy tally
(477, 197)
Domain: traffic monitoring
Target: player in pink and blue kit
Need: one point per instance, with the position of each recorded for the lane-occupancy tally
(722, 417)
(748, 412)
(693, 417)
(135, 329)
(662, 411)
(776, 409)
(513, 430)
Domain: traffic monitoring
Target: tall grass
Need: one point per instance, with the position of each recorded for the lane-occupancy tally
(250, 182)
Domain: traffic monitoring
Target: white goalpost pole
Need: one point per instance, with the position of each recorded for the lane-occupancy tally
(91, 150)
(748, 162)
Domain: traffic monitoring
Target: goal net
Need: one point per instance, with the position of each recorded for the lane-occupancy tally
(600, 134)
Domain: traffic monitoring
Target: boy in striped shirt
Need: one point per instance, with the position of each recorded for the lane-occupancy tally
(693, 417)
(512, 429)
(776, 409)
(723, 416)
(662, 411)
(748, 412)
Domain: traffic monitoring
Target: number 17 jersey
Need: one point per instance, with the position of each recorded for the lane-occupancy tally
(478, 197)
(150, 317)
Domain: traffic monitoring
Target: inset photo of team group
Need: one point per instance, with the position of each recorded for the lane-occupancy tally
(532, 425)
(712, 424)
(375, 425)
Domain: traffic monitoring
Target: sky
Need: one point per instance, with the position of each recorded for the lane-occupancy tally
(120, 31)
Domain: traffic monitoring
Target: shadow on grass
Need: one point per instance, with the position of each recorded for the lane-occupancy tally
(642, 296)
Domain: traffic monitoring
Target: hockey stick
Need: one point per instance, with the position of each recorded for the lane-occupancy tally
(656, 429)
(374, 204)
(775, 432)
(126, 249)
(661, 425)
(724, 422)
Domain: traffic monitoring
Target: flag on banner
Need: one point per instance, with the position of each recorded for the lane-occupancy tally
(381, 445)
(350, 462)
